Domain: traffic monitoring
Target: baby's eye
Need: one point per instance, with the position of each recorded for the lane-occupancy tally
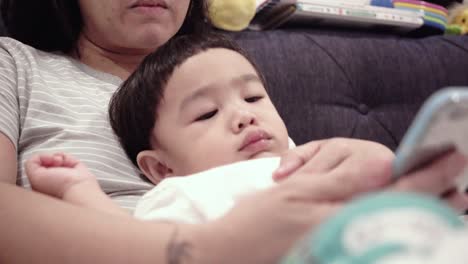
(253, 99)
(206, 116)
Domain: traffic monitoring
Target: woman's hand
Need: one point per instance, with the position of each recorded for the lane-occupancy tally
(359, 166)
(438, 179)
(345, 160)
(264, 225)
(320, 177)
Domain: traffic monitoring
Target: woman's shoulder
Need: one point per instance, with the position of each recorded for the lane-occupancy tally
(7, 42)
(19, 51)
(19, 57)
(14, 47)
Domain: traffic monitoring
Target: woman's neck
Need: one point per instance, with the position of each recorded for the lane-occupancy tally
(120, 64)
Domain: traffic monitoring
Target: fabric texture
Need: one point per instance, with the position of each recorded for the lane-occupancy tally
(52, 103)
(344, 83)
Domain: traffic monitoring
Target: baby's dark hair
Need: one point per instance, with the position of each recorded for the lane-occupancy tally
(133, 107)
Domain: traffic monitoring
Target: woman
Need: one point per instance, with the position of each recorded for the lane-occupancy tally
(64, 95)
(57, 100)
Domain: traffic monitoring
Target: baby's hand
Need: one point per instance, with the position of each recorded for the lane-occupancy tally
(55, 174)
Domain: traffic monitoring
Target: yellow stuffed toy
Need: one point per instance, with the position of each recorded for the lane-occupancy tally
(458, 20)
(232, 15)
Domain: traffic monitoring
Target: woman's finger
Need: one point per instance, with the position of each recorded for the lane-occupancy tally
(435, 178)
(458, 201)
(335, 153)
(326, 155)
(330, 155)
(361, 174)
(295, 158)
(315, 157)
(336, 185)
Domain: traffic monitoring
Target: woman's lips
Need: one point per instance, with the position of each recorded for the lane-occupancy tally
(147, 6)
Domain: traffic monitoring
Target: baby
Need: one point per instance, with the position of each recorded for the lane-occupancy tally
(197, 107)
(196, 103)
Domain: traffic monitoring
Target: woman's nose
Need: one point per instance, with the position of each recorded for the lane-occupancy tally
(243, 120)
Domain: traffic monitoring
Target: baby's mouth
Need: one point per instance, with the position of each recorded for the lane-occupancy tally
(255, 142)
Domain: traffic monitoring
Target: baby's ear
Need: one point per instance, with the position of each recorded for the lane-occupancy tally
(152, 166)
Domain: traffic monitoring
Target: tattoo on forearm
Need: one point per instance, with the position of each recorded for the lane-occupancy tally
(178, 251)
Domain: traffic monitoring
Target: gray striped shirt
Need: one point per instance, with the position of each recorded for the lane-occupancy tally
(50, 102)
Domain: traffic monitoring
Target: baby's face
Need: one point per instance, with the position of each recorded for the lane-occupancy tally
(216, 111)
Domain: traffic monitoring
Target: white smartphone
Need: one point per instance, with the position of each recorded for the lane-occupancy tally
(440, 126)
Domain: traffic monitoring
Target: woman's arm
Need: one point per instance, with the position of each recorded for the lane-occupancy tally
(38, 229)
(8, 164)
(259, 229)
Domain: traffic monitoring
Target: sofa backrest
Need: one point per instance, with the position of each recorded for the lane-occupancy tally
(337, 83)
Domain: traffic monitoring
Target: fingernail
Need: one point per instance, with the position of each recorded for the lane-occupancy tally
(277, 175)
(283, 168)
(282, 171)
(279, 170)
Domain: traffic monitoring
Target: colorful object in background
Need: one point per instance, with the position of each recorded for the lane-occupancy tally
(382, 3)
(458, 20)
(232, 15)
(434, 16)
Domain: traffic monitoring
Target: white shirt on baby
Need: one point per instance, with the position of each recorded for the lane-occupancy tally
(207, 195)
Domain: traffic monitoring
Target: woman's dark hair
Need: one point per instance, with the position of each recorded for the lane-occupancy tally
(133, 107)
(55, 25)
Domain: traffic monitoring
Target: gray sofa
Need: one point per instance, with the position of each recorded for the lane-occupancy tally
(367, 85)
